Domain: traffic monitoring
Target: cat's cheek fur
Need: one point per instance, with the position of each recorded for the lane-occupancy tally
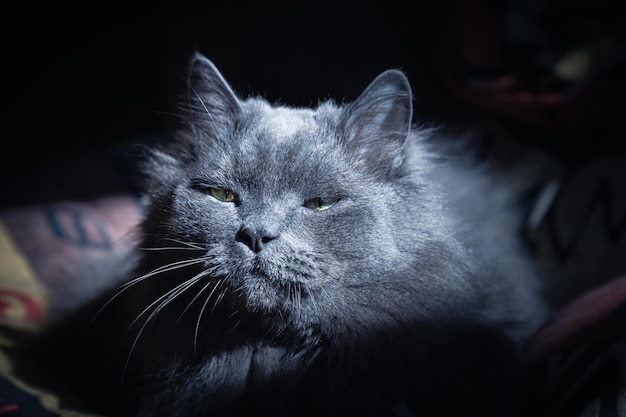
(202, 216)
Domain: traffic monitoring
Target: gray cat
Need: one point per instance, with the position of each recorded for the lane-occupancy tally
(331, 261)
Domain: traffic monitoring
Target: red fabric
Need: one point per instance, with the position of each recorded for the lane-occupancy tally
(595, 316)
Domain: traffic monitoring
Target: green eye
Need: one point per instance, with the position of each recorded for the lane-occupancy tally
(320, 204)
(222, 194)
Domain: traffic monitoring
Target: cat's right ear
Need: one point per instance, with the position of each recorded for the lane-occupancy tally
(378, 122)
(212, 106)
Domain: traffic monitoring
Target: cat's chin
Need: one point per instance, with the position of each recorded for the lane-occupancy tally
(260, 295)
(263, 295)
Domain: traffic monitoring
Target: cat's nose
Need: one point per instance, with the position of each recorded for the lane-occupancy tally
(255, 239)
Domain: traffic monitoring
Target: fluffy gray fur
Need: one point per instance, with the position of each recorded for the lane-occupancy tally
(409, 294)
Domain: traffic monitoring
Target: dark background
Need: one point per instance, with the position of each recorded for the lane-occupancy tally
(104, 72)
(82, 76)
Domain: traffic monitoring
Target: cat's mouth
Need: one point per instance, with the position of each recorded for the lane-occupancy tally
(267, 283)
(266, 292)
(265, 287)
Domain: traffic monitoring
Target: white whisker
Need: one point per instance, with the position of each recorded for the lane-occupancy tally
(163, 300)
(166, 268)
(187, 245)
(175, 292)
(234, 326)
(197, 329)
(169, 248)
(219, 297)
(200, 275)
(202, 102)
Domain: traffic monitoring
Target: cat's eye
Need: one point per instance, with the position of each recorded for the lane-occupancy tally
(222, 194)
(320, 204)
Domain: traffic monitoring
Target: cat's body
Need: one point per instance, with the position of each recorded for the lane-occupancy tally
(327, 261)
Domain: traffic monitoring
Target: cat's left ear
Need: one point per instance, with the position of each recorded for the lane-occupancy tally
(213, 106)
(378, 122)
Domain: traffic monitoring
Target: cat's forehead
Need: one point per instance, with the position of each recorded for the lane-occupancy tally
(279, 142)
(283, 124)
(281, 131)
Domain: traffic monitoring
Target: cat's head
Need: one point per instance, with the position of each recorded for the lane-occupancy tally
(295, 209)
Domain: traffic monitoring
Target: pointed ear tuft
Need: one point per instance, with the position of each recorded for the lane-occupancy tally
(212, 104)
(378, 122)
